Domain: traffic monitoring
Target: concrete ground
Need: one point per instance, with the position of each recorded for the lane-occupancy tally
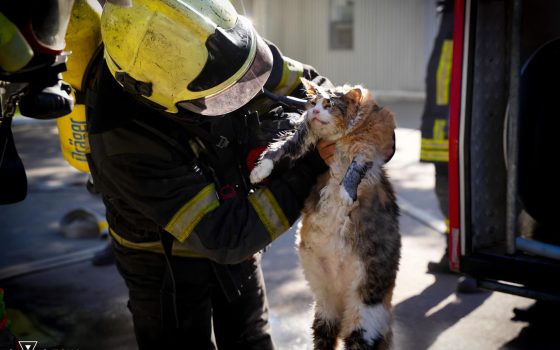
(55, 295)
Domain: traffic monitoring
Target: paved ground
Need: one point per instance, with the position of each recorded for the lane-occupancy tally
(75, 305)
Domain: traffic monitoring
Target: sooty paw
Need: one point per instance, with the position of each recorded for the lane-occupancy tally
(261, 171)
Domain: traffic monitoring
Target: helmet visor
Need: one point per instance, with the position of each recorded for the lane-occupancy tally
(240, 93)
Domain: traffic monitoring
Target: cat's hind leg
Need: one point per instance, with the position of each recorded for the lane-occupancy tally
(371, 328)
(325, 332)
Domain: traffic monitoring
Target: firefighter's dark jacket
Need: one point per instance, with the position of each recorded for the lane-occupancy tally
(159, 173)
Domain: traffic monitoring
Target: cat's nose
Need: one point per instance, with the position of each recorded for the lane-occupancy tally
(315, 111)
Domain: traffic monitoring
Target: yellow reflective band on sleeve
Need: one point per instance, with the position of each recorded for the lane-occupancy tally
(184, 221)
(269, 212)
(291, 74)
(155, 247)
(292, 71)
(443, 75)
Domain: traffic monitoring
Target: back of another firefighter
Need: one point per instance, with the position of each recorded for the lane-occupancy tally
(177, 119)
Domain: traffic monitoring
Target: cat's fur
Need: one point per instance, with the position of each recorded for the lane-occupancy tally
(349, 240)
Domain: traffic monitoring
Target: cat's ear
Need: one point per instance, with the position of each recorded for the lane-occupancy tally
(353, 95)
(310, 87)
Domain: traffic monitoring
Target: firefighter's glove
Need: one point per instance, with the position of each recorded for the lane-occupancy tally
(268, 127)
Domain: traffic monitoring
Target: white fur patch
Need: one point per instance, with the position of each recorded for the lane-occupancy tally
(261, 171)
(345, 197)
(375, 322)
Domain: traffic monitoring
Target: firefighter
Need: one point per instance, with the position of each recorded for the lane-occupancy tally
(177, 117)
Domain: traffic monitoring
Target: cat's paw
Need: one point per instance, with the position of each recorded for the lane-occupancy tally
(261, 171)
(345, 196)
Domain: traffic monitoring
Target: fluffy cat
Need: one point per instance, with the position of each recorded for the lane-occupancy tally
(348, 240)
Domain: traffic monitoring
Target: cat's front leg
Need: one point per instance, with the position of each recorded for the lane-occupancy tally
(354, 175)
(291, 145)
(261, 170)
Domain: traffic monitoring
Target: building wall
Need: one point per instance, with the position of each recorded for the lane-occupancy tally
(392, 39)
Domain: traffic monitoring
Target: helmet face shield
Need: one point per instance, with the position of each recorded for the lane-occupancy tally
(240, 93)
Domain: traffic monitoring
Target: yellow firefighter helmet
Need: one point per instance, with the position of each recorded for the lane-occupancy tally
(200, 55)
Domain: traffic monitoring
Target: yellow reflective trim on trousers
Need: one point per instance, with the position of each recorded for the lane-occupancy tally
(270, 213)
(184, 221)
(154, 247)
(443, 75)
(434, 156)
(436, 145)
(291, 74)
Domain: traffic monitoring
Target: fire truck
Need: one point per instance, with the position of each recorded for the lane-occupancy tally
(504, 119)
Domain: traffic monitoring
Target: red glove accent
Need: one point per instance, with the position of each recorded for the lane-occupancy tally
(253, 156)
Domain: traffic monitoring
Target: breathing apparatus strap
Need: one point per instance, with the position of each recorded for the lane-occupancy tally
(168, 293)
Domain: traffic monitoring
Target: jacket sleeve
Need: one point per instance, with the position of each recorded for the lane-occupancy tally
(177, 196)
(242, 226)
(286, 75)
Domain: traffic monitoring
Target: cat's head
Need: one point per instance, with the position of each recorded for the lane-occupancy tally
(330, 110)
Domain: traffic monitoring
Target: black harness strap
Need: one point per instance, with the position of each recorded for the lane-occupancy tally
(168, 293)
(227, 283)
(87, 95)
(212, 165)
(218, 156)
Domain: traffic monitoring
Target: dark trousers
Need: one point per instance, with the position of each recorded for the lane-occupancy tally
(208, 316)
